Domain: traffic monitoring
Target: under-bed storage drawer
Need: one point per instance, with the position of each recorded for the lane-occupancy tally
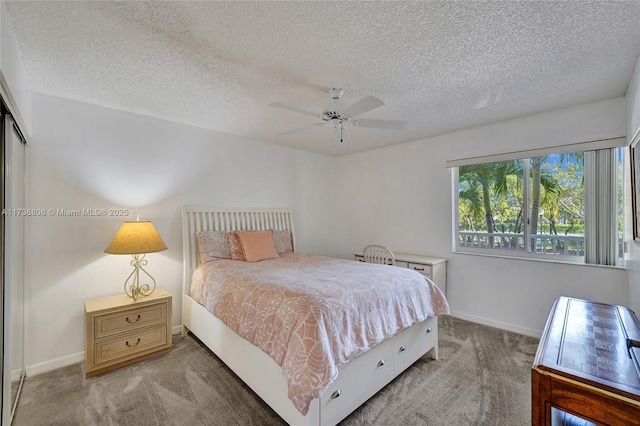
(373, 370)
(410, 344)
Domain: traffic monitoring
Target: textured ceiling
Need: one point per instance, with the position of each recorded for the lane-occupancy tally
(442, 66)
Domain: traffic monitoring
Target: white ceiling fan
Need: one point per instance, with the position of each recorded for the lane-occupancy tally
(336, 116)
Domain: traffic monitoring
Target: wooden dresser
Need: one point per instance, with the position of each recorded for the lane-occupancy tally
(120, 331)
(434, 268)
(587, 364)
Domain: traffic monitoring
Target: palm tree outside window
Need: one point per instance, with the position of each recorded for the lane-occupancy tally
(536, 207)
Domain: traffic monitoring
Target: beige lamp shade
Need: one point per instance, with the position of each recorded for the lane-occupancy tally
(136, 237)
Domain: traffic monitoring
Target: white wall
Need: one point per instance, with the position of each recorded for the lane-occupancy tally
(633, 256)
(84, 156)
(401, 197)
(12, 74)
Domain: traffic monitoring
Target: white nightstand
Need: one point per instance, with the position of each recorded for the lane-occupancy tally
(120, 331)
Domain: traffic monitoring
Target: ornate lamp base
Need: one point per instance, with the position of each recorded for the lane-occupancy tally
(132, 286)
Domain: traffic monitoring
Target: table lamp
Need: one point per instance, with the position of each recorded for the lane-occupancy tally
(137, 238)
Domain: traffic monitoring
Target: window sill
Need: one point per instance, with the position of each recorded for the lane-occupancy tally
(535, 258)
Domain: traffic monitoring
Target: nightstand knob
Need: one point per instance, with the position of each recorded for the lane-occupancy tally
(428, 330)
(403, 348)
(134, 321)
(131, 346)
(336, 394)
(381, 363)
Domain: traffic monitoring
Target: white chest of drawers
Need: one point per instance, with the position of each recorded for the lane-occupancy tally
(434, 268)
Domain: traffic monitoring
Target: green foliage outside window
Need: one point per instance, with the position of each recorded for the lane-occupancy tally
(491, 196)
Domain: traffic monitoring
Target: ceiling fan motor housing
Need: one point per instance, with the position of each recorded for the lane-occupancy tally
(333, 115)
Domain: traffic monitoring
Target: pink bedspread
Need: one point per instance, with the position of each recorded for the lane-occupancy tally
(311, 314)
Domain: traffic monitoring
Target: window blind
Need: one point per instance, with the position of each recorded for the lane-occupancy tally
(600, 201)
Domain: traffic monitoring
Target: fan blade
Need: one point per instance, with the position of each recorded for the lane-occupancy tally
(381, 124)
(299, 129)
(294, 109)
(365, 104)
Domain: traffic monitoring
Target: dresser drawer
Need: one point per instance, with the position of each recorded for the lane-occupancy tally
(425, 270)
(434, 268)
(129, 344)
(129, 319)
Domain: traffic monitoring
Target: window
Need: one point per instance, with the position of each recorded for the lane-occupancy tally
(563, 206)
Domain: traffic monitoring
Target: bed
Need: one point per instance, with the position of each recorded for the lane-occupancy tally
(342, 389)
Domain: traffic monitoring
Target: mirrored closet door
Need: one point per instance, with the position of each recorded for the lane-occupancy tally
(13, 199)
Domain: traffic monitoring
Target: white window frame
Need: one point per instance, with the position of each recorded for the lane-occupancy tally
(520, 155)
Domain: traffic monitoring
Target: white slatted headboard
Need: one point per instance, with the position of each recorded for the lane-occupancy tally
(199, 218)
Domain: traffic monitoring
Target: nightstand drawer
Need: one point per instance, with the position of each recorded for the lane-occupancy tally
(128, 344)
(129, 319)
(120, 331)
(422, 268)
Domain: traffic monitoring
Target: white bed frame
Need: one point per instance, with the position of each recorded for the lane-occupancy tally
(358, 380)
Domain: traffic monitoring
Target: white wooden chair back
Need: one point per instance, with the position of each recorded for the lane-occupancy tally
(378, 254)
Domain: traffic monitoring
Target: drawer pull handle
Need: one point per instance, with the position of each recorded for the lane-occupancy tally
(134, 321)
(428, 330)
(403, 348)
(131, 346)
(418, 269)
(381, 363)
(336, 393)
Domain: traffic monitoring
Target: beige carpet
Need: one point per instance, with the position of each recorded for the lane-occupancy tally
(482, 378)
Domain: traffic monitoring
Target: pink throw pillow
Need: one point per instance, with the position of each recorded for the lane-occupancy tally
(257, 245)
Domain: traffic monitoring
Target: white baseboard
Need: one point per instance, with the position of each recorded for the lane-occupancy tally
(497, 324)
(68, 360)
(44, 367)
(15, 375)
